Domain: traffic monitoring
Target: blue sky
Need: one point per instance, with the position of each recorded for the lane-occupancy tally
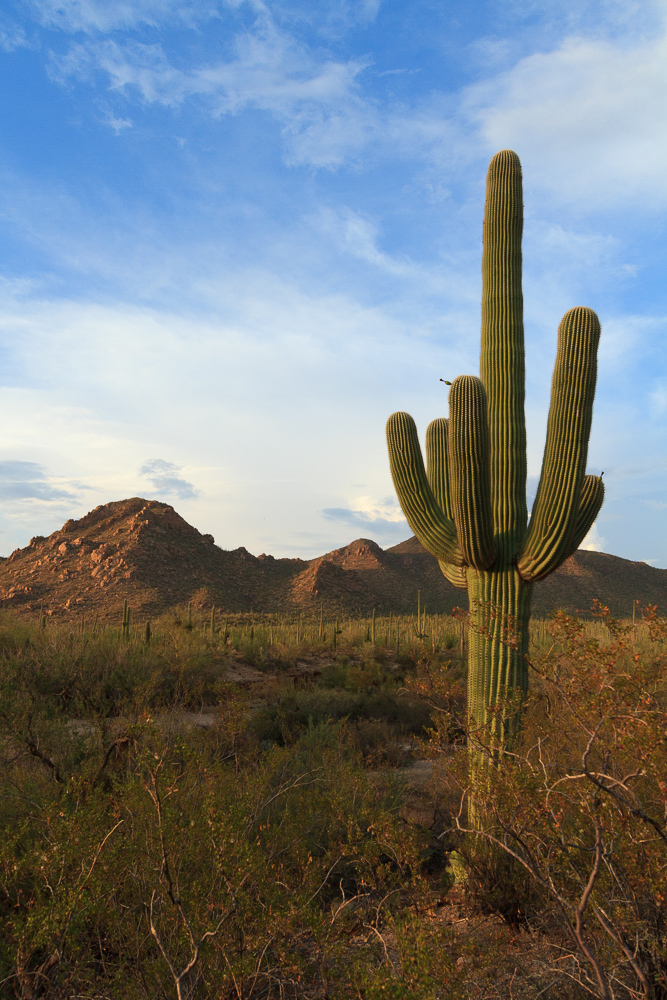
(237, 235)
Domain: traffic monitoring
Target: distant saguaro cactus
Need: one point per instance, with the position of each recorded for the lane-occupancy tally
(468, 506)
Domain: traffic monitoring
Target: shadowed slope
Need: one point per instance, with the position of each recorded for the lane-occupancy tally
(142, 551)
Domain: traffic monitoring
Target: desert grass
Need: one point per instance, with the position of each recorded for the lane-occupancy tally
(169, 832)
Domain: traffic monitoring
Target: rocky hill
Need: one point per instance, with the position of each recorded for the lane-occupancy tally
(142, 551)
(573, 587)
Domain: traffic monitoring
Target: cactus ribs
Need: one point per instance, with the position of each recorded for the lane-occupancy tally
(468, 507)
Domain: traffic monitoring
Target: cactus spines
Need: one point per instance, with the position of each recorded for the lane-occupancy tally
(470, 471)
(437, 464)
(437, 473)
(436, 532)
(590, 502)
(468, 508)
(457, 575)
(502, 359)
(554, 515)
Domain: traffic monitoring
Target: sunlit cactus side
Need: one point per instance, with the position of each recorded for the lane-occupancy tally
(467, 506)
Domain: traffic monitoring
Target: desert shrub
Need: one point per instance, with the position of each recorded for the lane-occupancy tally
(364, 675)
(569, 825)
(169, 870)
(334, 674)
(295, 711)
(449, 641)
(77, 675)
(270, 658)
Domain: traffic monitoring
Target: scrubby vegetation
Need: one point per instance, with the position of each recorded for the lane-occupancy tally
(302, 832)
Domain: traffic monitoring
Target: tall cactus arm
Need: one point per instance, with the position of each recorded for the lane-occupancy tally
(502, 364)
(554, 517)
(437, 473)
(470, 471)
(437, 463)
(590, 502)
(436, 532)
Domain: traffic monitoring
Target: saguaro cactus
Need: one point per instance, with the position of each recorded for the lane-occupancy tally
(468, 506)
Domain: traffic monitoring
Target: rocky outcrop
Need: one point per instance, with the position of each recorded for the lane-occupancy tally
(144, 552)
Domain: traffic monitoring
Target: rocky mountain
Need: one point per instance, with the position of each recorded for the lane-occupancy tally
(142, 551)
(583, 577)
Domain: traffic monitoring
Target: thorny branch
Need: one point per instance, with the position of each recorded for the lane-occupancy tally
(195, 943)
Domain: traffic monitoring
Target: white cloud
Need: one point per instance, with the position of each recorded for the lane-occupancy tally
(270, 70)
(586, 119)
(29, 481)
(658, 398)
(12, 37)
(358, 236)
(165, 480)
(574, 250)
(381, 518)
(104, 16)
(319, 101)
(315, 99)
(593, 542)
(101, 16)
(582, 116)
(385, 509)
(271, 409)
(117, 124)
(34, 500)
(108, 15)
(626, 337)
(332, 18)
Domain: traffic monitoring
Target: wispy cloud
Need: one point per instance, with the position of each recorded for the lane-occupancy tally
(116, 124)
(330, 19)
(12, 37)
(95, 16)
(181, 309)
(581, 114)
(163, 477)
(270, 70)
(358, 236)
(103, 16)
(583, 117)
(380, 518)
(658, 398)
(29, 481)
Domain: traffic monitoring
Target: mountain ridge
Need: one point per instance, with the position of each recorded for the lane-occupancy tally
(144, 552)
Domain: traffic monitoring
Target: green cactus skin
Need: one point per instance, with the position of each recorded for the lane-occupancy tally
(468, 507)
(437, 473)
(470, 469)
(502, 359)
(436, 532)
(590, 502)
(499, 603)
(437, 463)
(556, 506)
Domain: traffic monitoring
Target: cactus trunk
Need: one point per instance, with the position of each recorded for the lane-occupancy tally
(497, 647)
(468, 506)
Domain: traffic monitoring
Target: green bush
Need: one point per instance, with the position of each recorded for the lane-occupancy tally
(295, 711)
(156, 856)
(568, 827)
